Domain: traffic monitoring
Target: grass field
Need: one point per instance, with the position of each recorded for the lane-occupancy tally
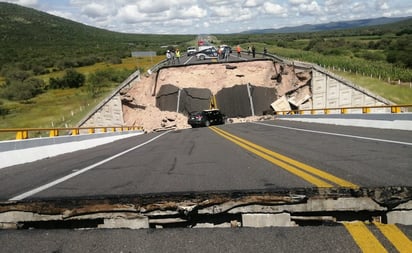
(131, 63)
(399, 94)
(64, 107)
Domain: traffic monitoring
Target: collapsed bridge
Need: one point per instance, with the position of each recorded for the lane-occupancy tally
(239, 89)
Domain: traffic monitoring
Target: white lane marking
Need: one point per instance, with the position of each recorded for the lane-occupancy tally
(336, 134)
(188, 60)
(81, 171)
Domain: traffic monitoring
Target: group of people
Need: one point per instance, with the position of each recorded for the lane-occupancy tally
(250, 50)
(223, 53)
(173, 56)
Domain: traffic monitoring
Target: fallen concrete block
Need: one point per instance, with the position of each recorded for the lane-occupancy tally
(267, 220)
(126, 223)
(400, 217)
(281, 104)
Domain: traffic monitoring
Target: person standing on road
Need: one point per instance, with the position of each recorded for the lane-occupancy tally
(177, 55)
(238, 49)
(253, 51)
(172, 53)
(265, 51)
(226, 53)
(219, 53)
(168, 57)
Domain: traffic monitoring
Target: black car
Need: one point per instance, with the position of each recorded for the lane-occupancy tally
(206, 118)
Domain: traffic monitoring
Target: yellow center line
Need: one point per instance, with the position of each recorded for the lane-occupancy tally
(396, 237)
(314, 180)
(364, 238)
(281, 160)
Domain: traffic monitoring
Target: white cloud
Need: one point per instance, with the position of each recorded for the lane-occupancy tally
(130, 14)
(153, 6)
(95, 10)
(208, 16)
(243, 15)
(298, 2)
(381, 5)
(252, 3)
(275, 9)
(311, 8)
(221, 2)
(30, 3)
(357, 7)
(192, 12)
(66, 15)
(221, 12)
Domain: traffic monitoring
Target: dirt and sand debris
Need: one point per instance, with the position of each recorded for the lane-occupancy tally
(139, 106)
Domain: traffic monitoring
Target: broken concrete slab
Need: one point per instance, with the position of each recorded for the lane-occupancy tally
(400, 217)
(267, 220)
(282, 104)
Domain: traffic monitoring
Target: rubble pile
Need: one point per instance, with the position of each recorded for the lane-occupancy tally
(139, 101)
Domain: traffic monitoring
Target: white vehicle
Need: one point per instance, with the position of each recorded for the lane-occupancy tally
(201, 48)
(191, 50)
(209, 53)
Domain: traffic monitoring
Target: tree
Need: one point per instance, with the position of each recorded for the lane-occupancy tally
(17, 90)
(72, 79)
(18, 75)
(95, 84)
(3, 111)
(400, 51)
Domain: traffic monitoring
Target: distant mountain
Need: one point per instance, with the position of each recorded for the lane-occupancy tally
(330, 26)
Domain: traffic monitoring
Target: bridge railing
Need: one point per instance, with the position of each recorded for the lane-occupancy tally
(26, 133)
(352, 109)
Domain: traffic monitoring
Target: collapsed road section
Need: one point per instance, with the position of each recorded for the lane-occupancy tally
(241, 90)
(269, 208)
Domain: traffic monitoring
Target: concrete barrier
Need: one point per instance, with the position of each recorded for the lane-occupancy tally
(24, 151)
(400, 121)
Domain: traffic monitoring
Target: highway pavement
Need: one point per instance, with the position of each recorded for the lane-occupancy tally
(280, 240)
(186, 60)
(262, 155)
(202, 159)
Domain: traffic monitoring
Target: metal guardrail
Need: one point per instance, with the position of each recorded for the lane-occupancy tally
(23, 133)
(345, 110)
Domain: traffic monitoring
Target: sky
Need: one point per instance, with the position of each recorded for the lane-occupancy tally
(213, 16)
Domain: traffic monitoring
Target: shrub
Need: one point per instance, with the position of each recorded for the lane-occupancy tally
(17, 90)
(72, 79)
(18, 75)
(3, 111)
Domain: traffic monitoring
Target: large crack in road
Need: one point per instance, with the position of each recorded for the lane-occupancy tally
(278, 207)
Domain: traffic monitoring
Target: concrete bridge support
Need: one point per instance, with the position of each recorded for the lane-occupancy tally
(331, 91)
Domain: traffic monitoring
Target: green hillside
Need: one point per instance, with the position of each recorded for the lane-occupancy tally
(30, 39)
(37, 48)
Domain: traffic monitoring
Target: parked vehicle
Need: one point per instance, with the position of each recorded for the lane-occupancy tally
(204, 47)
(210, 53)
(206, 118)
(191, 50)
